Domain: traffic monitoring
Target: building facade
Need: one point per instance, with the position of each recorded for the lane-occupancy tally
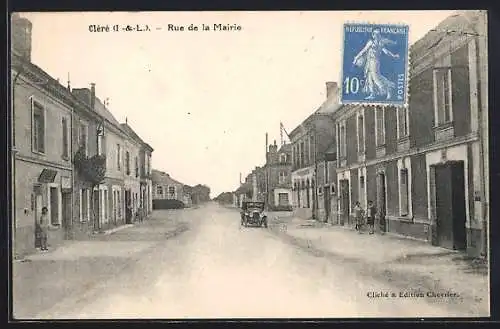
(311, 141)
(50, 124)
(279, 177)
(41, 149)
(424, 165)
(166, 191)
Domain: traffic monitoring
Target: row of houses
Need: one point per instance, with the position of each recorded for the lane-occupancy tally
(424, 166)
(60, 137)
(169, 193)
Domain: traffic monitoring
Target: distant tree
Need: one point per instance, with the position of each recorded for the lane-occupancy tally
(93, 171)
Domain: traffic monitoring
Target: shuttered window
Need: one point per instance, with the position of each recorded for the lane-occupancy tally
(380, 126)
(403, 192)
(38, 127)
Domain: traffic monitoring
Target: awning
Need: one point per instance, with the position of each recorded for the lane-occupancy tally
(47, 176)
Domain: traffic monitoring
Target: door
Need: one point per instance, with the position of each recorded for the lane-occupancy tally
(345, 208)
(128, 204)
(96, 209)
(381, 202)
(444, 215)
(54, 205)
(326, 199)
(37, 212)
(66, 214)
(450, 205)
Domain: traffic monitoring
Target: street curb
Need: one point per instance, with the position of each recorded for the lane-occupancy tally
(94, 289)
(398, 278)
(116, 229)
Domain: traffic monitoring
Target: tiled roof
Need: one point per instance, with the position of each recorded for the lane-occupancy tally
(163, 178)
(449, 29)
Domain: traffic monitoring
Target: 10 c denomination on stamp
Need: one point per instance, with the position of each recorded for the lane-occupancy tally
(375, 64)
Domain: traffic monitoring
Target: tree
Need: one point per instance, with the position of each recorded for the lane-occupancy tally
(93, 171)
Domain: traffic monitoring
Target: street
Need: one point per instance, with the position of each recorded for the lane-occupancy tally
(216, 269)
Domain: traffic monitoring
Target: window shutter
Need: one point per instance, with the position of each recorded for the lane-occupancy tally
(404, 191)
(65, 137)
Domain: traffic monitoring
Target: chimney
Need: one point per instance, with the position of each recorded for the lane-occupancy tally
(21, 36)
(332, 89)
(92, 96)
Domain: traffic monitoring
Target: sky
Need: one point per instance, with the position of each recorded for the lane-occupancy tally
(204, 100)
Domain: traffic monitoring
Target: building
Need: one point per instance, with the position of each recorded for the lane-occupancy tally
(167, 192)
(279, 177)
(41, 150)
(143, 169)
(425, 165)
(310, 142)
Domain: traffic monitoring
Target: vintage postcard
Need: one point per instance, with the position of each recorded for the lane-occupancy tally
(236, 165)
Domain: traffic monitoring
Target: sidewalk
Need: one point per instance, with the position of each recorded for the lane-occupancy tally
(43, 279)
(403, 263)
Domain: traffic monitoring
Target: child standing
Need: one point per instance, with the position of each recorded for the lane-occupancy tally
(358, 213)
(370, 220)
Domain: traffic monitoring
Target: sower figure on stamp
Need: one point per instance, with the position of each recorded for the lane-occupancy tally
(369, 57)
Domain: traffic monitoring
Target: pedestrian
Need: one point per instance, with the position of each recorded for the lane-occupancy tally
(370, 218)
(358, 215)
(44, 229)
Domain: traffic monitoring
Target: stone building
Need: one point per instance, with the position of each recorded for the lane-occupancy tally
(426, 166)
(279, 176)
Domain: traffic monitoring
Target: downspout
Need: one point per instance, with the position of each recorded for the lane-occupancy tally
(13, 152)
(484, 206)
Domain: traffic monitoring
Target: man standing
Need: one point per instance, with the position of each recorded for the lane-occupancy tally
(370, 220)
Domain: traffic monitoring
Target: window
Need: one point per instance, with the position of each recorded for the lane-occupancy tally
(332, 189)
(402, 122)
(282, 177)
(83, 137)
(342, 141)
(84, 205)
(442, 95)
(100, 144)
(379, 126)
(283, 199)
(127, 163)
(38, 127)
(403, 192)
(283, 158)
(65, 142)
(361, 134)
(118, 156)
(136, 167)
(159, 190)
(171, 192)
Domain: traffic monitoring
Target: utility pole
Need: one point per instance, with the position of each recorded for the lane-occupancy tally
(266, 168)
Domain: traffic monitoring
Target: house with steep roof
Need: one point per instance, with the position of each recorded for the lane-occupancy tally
(167, 192)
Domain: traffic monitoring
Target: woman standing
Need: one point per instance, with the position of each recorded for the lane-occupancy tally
(358, 213)
(44, 228)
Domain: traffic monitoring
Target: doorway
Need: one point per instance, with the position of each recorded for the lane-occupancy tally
(66, 214)
(37, 212)
(326, 198)
(128, 205)
(381, 202)
(345, 208)
(54, 206)
(450, 205)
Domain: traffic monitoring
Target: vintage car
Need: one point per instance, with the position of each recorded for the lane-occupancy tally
(252, 214)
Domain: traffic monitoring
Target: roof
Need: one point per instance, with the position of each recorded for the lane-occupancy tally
(285, 148)
(161, 177)
(84, 95)
(133, 134)
(449, 29)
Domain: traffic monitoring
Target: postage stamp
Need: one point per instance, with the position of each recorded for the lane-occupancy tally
(375, 64)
